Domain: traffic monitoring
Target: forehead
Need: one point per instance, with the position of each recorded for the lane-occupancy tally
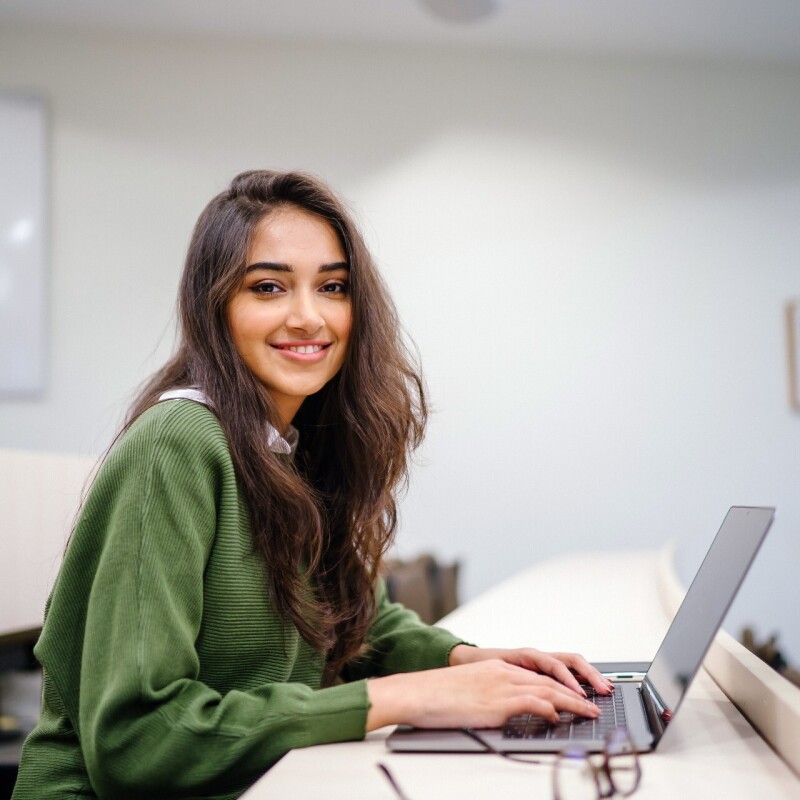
(287, 234)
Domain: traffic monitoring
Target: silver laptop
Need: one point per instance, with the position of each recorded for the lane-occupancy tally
(647, 696)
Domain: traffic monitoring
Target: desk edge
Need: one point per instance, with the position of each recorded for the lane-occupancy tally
(768, 701)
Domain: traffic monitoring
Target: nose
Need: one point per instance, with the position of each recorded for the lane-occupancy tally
(304, 315)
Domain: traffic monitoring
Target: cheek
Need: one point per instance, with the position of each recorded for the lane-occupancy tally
(249, 325)
(345, 323)
(244, 330)
(235, 325)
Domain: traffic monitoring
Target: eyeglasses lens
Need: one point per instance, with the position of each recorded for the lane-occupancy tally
(623, 763)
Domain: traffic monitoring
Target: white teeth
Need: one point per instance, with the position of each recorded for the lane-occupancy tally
(307, 348)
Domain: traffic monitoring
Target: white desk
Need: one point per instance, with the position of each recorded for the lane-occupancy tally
(709, 750)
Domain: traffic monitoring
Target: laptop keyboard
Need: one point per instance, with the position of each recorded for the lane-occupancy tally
(530, 726)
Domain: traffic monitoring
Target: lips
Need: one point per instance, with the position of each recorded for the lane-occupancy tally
(308, 352)
(305, 349)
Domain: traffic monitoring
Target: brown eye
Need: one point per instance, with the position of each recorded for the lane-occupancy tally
(335, 287)
(266, 288)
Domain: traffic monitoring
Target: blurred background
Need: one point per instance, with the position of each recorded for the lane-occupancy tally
(587, 213)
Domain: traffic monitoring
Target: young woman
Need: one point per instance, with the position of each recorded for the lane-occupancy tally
(219, 601)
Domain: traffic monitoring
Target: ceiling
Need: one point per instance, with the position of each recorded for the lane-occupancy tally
(762, 30)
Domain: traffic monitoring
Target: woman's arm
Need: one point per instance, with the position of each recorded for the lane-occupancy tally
(484, 688)
(476, 687)
(155, 717)
(561, 666)
(397, 641)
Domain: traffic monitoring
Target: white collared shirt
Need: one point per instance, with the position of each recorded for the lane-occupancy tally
(278, 444)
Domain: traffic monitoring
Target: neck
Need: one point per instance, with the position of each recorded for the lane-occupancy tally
(287, 409)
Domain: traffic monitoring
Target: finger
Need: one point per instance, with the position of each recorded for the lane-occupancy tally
(552, 665)
(543, 708)
(561, 672)
(576, 705)
(568, 698)
(582, 667)
(546, 702)
(555, 664)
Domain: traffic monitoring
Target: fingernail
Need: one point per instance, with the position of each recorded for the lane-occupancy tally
(583, 691)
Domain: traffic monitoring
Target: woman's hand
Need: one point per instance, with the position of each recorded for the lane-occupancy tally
(558, 665)
(481, 694)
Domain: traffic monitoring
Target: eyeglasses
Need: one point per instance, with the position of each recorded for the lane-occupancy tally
(575, 775)
(401, 795)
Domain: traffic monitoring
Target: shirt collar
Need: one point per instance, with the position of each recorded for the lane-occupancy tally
(285, 445)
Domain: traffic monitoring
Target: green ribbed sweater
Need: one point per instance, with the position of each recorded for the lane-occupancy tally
(167, 672)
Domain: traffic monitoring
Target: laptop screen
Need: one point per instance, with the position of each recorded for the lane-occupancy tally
(705, 605)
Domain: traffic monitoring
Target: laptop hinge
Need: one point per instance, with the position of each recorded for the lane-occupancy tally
(657, 713)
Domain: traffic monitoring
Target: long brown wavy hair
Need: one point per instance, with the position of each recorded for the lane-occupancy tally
(323, 521)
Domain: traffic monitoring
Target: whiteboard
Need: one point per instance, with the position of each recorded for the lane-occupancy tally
(23, 315)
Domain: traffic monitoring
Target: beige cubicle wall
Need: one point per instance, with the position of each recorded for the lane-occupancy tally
(39, 496)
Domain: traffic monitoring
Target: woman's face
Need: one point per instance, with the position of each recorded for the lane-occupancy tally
(290, 319)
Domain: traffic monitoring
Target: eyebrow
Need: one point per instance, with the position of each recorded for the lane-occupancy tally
(277, 267)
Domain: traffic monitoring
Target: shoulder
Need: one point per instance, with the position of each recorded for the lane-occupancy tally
(182, 431)
(177, 419)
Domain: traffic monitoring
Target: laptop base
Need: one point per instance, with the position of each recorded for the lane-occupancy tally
(407, 739)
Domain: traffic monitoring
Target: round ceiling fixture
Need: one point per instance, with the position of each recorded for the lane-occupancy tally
(461, 10)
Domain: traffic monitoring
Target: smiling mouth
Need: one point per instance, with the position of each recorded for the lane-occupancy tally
(305, 349)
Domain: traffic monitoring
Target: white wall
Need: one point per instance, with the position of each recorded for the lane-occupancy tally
(592, 256)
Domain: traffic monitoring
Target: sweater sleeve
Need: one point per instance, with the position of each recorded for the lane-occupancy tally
(398, 641)
(149, 727)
